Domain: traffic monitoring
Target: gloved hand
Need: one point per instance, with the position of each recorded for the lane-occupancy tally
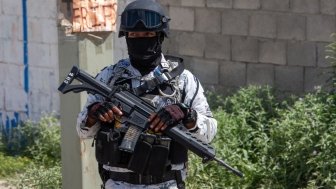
(170, 116)
(103, 111)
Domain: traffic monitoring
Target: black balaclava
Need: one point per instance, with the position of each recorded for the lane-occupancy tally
(145, 52)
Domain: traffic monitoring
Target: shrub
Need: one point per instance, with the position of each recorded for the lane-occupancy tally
(39, 141)
(10, 165)
(33, 177)
(276, 145)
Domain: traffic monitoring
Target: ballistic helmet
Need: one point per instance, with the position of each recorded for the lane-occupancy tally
(143, 15)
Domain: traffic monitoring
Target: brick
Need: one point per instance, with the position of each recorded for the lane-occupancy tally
(301, 6)
(232, 74)
(219, 3)
(206, 71)
(328, 7)
(263, 25)
(218, 47)
(42, 9)
(192, 44)
(289, 79)
(246, 4)
(235, 23)
(15, 99)
(273, 52)
(13, 53)
(260, 74)
(301, 54)
(193, 3)
(315, 77)
(277, 5)
(170, 2)
(207, 21)
(322, 61)
(12, 8)
(245, 49)
(292, 27)
(320, 27)
(182, 18)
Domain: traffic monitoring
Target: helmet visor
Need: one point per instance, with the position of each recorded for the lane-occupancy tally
(149, 18)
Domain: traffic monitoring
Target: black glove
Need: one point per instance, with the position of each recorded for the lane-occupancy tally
(103, 111)
(171, 115)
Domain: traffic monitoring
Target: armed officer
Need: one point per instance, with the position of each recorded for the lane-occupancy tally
(157, 161)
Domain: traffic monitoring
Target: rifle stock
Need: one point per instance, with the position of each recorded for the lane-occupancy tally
(136, 111)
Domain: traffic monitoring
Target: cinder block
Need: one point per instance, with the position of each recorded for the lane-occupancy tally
(12, 8)
(42, 80)
(191, 44)
(218, 47)
(40, 101)
(246, 4)
(182, 18)
(219, 3)
(3, 73)
(13, 29)
(38, 54)
(315, 77)
(302, 6)
(277, 5)
(273, 52)
(170, 2)
(2, 99)
(320, 27)
(15, 99)
(193, 3)
(211, 67)
(13, 51)
(322, 61)
(49, 31)
(117, 55)
(2, 58)
(235, 23)
(245, 49)
(13, 74)
(292, 27)
(301, 54)
(55, 102)
(289, 79)
(232, 74)
(263, 25)
(260, 74)
(53, 56)
(42, 9)
(35, 30)
(328, 7)
(207, 21)
(171, 44)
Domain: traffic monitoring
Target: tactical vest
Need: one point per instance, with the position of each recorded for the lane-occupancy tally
(154, 153)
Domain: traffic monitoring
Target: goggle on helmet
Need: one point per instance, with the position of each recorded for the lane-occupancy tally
(147, 12)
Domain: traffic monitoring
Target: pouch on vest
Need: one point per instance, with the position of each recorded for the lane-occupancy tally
(140, 157)
(158, 160)
(107, 147)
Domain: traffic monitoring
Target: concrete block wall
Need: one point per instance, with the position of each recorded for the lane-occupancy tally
(28, 76)
(233, 43)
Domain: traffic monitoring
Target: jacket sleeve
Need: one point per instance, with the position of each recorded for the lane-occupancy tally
(82, 130)
(193, 95)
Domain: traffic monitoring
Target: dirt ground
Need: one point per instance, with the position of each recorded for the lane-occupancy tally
(5, 185)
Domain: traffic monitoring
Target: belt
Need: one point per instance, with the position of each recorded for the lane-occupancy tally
(134, 178)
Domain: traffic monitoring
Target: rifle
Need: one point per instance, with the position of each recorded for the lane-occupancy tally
(136, 112)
